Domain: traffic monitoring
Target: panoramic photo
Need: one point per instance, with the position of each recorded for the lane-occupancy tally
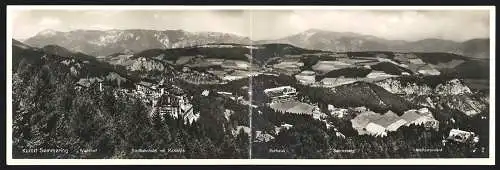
(250, 84)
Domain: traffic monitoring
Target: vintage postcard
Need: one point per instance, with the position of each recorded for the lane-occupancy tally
(250, 85)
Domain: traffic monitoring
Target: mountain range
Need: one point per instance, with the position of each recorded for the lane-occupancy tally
(347, 41)
(103, 43)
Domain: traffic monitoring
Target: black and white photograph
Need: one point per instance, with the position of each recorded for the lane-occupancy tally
(249, 83)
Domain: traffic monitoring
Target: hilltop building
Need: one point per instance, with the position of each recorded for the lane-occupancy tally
(462, 136)
(282, 93)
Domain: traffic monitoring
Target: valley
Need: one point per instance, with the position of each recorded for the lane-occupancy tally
(224, 97)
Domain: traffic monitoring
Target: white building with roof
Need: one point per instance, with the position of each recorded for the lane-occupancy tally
(462, 136)
(262, 137)
(280, 93)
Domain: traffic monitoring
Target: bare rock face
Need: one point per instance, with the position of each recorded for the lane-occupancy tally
(144, 64)
(463, 103)
(453, 94)
(396, 87)
(452, 87)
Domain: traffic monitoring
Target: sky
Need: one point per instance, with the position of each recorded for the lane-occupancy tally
(410, 25)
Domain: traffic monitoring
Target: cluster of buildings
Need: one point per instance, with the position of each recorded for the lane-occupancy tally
(148, 92)
(165, 100)
(379, 125)
(99, 82)
(177, 107)
(259, 137)
(308, 78)
(337, 112)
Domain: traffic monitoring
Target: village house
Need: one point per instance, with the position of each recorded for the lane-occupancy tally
(360, 109)
(186, 69)
(262, 137)
(283, 126)
(286, 126)
(177, 107)
(462, 136)
(205, 93)
(317, 114)
(339, 112)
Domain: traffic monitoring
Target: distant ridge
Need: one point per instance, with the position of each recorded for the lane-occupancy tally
(103, 43)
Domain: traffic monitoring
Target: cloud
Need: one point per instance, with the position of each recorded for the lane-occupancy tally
(398, 25)
(49, 22)
(458, 25)
(100, 27)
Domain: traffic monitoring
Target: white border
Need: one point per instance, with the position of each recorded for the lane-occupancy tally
(229, 7)
(430, 161)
